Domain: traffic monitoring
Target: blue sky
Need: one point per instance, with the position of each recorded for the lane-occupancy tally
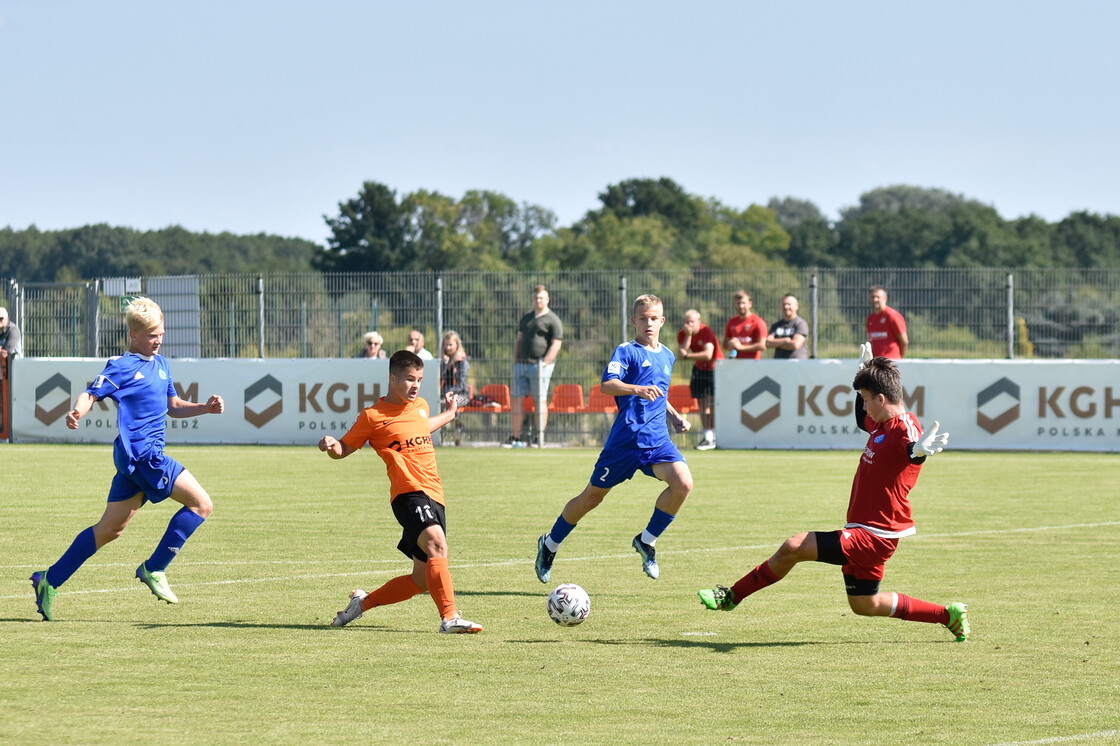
(251, 116)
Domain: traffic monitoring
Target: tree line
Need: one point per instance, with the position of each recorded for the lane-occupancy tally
(639, 224)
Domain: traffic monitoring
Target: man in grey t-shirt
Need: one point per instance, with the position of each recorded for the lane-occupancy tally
(787, 337)
(539, 336)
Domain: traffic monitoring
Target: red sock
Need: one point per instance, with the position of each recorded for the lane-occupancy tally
(916, 610)
(759, 578)
(398, 589)
(441, 587)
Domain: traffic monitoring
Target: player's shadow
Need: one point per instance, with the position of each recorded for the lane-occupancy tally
(232, 625)
(728, 647)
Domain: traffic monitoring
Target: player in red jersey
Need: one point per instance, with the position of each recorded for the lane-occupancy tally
(886, 327)
(399, 427)
(878, 511)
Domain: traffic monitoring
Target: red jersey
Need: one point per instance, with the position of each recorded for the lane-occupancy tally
(703, 336)
(883, 330)
(885, 476)
(748, 331)
(402, 437)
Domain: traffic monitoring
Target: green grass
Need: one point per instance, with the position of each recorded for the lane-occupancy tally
(1029, 541)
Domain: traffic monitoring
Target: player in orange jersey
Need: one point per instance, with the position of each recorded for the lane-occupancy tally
(400, 429)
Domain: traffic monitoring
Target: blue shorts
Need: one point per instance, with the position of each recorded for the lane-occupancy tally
(525, 380)
(617, 465)
(154, 476)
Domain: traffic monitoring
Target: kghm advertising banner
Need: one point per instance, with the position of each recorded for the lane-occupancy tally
(1067, 405)
(267, 401)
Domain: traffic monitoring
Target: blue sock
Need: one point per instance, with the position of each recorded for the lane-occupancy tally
(182, 525)
(83, 547)
(658, 522)
(560, 530)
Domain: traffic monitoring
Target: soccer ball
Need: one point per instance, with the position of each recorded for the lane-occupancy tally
(568, 605)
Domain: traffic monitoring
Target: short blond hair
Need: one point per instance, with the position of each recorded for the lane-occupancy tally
(142, 314)
(649, 300)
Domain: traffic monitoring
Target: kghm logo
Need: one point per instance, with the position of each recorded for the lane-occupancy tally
(258, 417)
(998, 405)
(764, 395)
(46, 390)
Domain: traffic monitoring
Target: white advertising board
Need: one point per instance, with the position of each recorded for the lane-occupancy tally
(284, 402)
(1068, 405)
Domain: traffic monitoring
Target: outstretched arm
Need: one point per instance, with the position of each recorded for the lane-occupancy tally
(931, 443)
(178, 408)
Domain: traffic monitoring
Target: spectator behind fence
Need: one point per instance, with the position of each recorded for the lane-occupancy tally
(454, 368)
(416, 345)
(371, 346)
(744, 337)
(539, 336)
(886, 328)
(11, 341)
(787, 336)
(699, 344)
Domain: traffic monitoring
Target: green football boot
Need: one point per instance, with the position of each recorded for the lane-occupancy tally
(44, 594)
(958, 620)
(157, 584)
(718, 598)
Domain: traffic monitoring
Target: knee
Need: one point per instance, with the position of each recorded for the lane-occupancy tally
(793, 549)
(435, 547)
(204, 506)
(863, 605)
(102, 535)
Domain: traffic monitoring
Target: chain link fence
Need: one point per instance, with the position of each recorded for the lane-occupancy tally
(950, 313)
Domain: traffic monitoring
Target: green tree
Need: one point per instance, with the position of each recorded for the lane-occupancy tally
(1086, 239)
(368, 235)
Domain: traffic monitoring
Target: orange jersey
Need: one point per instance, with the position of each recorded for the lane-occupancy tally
(402, 438)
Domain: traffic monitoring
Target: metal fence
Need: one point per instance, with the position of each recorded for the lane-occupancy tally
(950, 313)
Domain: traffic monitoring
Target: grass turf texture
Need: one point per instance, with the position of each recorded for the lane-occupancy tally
(1027, 540)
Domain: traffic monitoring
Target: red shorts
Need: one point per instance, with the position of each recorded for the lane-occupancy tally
(867, 554)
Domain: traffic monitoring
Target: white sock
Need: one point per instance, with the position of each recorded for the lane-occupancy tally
(552, 545)
(648, 538)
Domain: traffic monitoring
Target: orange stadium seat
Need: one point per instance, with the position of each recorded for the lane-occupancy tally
(680, 396)
(498, 393)
(567, 397)
(597, 401)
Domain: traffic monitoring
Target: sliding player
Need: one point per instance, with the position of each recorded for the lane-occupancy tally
(878, 511)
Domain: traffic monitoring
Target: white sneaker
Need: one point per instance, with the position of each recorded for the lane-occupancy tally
(706, 444)
(352, 611)
(457, 625)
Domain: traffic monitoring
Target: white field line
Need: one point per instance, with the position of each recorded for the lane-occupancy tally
(397, 563)
(1066, 739)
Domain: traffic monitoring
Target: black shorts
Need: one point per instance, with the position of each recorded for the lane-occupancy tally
(415, 511)
(702, 385)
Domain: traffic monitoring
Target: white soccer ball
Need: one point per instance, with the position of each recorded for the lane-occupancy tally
(569, 605)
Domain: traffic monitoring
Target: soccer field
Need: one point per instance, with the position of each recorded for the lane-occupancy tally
(1029, 541)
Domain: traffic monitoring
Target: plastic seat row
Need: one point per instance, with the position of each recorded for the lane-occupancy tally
(568, 398)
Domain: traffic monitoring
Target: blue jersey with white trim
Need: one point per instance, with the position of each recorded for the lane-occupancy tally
(640, 422)
(141, 387)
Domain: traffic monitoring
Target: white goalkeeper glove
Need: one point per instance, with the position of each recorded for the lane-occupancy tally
(932, 442)
(864, 354)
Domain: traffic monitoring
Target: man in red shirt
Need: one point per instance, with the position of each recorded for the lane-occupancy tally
(698, 343)
(886, 328)
(878, 511)
(744, 337)
(400, 427)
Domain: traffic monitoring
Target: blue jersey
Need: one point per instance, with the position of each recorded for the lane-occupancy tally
(640, 422)
(141, 387)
